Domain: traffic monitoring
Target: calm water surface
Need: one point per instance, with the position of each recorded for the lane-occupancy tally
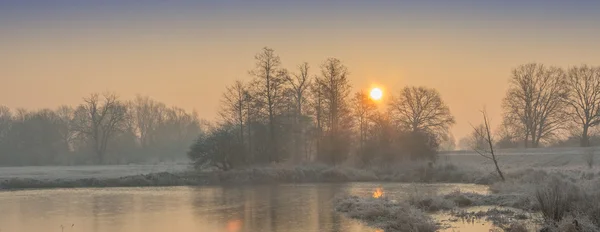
(267, 208)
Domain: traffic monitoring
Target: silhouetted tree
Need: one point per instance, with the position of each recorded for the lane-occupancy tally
(317, 104)
(421, 109)
(583, 100)
(421, 112)
(269, 91)
(99, 120)
(219, 148)
(534, 102)
(146, 116)
(233, 107)
(298, 86)
(66, 120)
(334, 88)
(364, 111)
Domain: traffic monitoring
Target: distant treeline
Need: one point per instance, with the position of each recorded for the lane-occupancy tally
(302, 115)
(101, 130)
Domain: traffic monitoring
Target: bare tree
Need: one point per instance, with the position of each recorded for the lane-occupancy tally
(421, 109)
(66, 118)
(233, 107)
(99, 120)
(147, 114)
(483, 133)
(298, 86)
(269, 82)
(534, 102)
(365, 110)
(334, 88)
(583, 100)
(317, 106)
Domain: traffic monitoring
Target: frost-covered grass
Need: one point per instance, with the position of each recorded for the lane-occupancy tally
(441, 172)
(572, 158)
(154, 179)
(523, 168)
(568, 199)
(505, 218)
(301, 173)
(386, 214)
(90, 171)
(430, 202)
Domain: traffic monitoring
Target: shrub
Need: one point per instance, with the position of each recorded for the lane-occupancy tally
(219, 148)
(556, 198)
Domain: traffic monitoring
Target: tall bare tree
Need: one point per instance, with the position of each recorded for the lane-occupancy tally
(298, 86)
(317, 106)
(583, 100)
(233, 107)
(421, 109)
(534, 102)
(484, 142)
(335, 89)
(364, 110)
(147, 114)
(99, 119)
(269, 82)
(66, 118)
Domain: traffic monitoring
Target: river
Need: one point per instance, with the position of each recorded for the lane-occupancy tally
(264, 208)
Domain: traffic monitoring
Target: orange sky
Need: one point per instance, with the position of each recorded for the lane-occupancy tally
(188, 62)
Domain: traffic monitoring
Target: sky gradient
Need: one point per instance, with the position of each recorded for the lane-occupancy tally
(184, 53)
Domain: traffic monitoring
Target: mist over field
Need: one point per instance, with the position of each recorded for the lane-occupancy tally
(355, 116)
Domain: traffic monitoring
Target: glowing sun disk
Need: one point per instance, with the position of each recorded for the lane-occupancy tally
(376, 94)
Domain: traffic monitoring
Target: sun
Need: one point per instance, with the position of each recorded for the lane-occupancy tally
(376, 94)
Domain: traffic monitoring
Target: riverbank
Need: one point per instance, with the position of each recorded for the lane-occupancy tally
(312, 173)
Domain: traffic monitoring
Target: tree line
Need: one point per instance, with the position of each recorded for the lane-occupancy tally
(101, 130)
(306, 114)
(310, 114)
(547, 106)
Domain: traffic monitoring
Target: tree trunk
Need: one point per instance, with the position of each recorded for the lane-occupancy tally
(585, 139)
(498, 169)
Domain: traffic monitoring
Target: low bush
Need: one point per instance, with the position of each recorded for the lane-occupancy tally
(556, 198)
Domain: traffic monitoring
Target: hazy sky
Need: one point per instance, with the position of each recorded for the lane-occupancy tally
(184, 53)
